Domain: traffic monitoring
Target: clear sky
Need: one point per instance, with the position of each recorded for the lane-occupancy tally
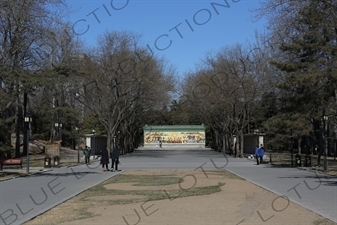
(181, 31)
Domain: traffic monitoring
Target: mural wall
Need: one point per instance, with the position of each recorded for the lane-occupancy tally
(175, 137)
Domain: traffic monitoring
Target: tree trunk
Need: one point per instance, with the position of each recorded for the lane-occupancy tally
(320, 149)
(335, 142)
(241, 145)
(109, 142)
(25, 125)
(216, 140)
(17, 129)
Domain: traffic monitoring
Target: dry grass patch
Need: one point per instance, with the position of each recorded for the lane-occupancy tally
(133, 187)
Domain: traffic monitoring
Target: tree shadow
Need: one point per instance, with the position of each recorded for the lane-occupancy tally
(68, 174)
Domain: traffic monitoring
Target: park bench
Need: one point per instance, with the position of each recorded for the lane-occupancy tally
(11, 161)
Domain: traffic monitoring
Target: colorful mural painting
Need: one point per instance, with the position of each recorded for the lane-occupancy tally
(182, 134)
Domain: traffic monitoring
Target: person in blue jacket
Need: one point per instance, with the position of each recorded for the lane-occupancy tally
(261, 153)
(257, 150)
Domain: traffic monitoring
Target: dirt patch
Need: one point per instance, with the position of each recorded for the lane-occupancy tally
(235, 202)
(185, 181)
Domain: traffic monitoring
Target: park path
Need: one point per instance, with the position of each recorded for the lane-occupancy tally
(22, 199)
(311, 190)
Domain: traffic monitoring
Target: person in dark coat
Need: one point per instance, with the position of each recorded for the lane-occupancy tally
(86, 155)
(105, 159)
(115, 158)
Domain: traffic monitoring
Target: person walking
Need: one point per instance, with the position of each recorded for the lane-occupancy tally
(257, 155)
(115, 158)
(261, 153)
(105, 159)
(86, 155)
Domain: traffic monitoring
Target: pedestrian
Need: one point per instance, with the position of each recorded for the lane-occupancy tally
(86, 154)
(257, 156)
(115, 158)
(261, 153)
(105, 159)
(160, 143)
(89, 154)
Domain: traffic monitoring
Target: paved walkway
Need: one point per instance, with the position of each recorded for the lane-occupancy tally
(24, 198)
(314, 191)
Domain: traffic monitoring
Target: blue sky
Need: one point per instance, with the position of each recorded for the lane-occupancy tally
(180, 31)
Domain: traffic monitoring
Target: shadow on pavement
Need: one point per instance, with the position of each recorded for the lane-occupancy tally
(79, 174)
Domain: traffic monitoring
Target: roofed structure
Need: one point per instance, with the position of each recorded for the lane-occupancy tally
(180, 134)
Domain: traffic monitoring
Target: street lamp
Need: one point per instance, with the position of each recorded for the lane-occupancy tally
(27, 121)
(78, 144)
(58, 126)
(325, 119)
(60, 138)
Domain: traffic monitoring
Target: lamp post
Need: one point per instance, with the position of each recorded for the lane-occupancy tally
(78, 144)
(58, 126)
(56, 130)
(94, 148)
(27, 121)
(60, 132)
(325, 119)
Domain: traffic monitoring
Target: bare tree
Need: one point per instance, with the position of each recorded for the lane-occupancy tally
(223, 91)
(120, 83)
